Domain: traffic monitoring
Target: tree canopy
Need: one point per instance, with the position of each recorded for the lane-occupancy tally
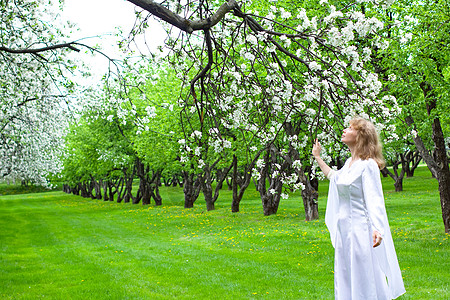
(243, 89)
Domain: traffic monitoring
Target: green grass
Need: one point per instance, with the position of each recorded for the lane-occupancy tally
(59, 246)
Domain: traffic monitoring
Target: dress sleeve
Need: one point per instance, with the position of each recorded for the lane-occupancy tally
(373, 196)
(385, 253)
(332, 210)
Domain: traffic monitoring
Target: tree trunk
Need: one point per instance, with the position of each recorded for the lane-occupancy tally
(240, 185)
(105, 190)
(235, 204)
(83, 190)
(398, 184)
(67, 189)
(310, 199)
(144, 191)
(270, 204)
(113, 187)
(98, 189)
(443, 174)
(206, 180)
(120, 189)
(439, 165)
(412, 161)
(309, 194)
(229, 183)
(191, 189)
(206, 185)
(398, 179)
(400, 159)
(128, 178)
(157, 183)
(219, 176)
(174, 181)
(270, 197)
(236, 196)
(76, 189)
(444, 192)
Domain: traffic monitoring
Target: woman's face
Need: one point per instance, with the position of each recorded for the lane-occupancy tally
(349, 136)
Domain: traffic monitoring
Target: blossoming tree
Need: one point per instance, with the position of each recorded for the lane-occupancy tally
(274, 77)
(418, 58)
(33, 66)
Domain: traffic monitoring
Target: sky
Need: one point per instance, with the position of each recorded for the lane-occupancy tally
(100, 18)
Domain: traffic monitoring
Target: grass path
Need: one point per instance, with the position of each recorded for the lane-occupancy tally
(58, 246)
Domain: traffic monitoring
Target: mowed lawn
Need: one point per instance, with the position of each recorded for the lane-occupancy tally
(59, 246)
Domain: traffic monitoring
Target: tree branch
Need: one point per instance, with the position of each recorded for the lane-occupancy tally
(429, 160)
(181, 23)
(38, 50)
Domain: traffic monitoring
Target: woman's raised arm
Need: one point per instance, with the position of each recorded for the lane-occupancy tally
(327, 171)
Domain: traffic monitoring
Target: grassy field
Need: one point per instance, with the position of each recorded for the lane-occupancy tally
(59, 246)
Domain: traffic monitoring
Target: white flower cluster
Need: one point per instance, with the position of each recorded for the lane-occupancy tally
(33, 116)
(329, 82)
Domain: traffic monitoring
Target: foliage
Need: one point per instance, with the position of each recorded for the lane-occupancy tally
(418, 56)
(95, 148)
(259, 85)
(34, 71)
(266, 67)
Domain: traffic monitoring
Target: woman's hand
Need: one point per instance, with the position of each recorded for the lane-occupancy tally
(316, 152)
(377, 238)
(316, 149)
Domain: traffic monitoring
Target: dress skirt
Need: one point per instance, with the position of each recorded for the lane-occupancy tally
(355, 209)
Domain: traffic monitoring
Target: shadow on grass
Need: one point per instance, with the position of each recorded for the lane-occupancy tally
(14, 189)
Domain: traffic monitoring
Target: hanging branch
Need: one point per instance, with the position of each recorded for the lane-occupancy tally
(184, 24)
(38, 50)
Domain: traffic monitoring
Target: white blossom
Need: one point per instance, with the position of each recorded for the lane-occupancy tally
(285, 14)
(201, 163)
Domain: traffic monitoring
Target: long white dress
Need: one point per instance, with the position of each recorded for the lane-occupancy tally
(355, 208)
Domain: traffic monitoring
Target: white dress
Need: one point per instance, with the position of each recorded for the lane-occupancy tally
(355, 208)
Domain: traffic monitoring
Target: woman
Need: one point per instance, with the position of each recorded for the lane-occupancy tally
(356, 218)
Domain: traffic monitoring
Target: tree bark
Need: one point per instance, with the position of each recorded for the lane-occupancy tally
(128, 178)
(236, 196)
(105, 184)
(398, 178)
(206, 186)
(120, 189)
(239, 185)
(76, 189)
(270, 197)
(439, 165)
(181, 23)
(310, 196)
(191, 189)
(412, 160)
(156, 183)
(206, 180)
(443, 175)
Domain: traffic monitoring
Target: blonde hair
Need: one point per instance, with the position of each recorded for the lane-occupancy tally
(368, 143)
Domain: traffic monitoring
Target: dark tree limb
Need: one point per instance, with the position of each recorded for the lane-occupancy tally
(38, 50)
(429, 160)
(181, 23)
